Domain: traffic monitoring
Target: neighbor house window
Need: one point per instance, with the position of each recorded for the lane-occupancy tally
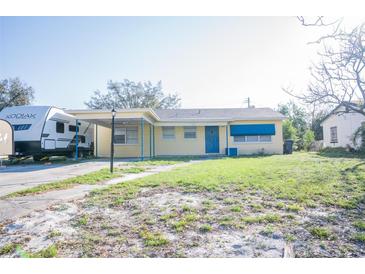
(252, 139)
(126, 135)
(333, 131)
(168, 132)
(189, 132)
(60, 127)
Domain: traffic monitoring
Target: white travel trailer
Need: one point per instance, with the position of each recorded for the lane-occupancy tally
(41, 131)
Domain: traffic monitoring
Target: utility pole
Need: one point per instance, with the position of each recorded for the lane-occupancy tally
(247, 101)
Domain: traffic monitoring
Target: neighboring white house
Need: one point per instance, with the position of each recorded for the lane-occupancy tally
(339, 128)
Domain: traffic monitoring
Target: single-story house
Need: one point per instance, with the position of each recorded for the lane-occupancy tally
(176, 132)
(339, 128)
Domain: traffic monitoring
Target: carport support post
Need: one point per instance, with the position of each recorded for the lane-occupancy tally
(153, 140)
(142, 138)
(77, 140)
(150, 141)
(227, 139)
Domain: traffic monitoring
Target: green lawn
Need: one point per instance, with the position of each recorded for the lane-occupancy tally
(254, 206)
(305, 178)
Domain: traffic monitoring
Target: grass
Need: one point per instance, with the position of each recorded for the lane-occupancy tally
(205, 228)
(294, 208)
(153, 239)
(268, 218)
(360, 225)
(8, 248)
(49, 252)
(321, 233)
(359, 237)
(303, 178)
(54, 233)
(90, 178)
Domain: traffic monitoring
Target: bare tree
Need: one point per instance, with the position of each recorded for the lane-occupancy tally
(338, 79)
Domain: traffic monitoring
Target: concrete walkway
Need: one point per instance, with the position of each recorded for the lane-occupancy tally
(19, 177)
(13, 208)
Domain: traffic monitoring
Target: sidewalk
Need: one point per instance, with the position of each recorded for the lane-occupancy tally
(13, 208)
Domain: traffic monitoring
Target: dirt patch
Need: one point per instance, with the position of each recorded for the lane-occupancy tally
(169, 222)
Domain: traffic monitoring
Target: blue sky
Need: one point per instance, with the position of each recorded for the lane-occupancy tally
(208, 61)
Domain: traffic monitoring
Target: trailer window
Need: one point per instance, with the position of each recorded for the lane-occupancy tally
(72, 128)
(21, 127)
(82, 139)
(60, 127)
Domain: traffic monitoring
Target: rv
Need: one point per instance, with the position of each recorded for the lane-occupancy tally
(41, 131)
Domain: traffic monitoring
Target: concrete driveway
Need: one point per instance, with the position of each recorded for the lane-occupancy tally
(18, 177)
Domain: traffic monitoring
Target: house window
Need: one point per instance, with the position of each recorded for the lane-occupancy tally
(265, 138)
(252, 139)
(333, 131)
(126, 135)
(189, 132)
(82, 139)
(60, 127)
(168, 132)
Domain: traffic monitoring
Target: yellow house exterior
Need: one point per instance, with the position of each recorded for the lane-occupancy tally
(148, 133)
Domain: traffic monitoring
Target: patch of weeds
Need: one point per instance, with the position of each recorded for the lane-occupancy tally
(290, 216)
(229, 201)
(186, 208)
(268, 230)
(53, 234)
(191, 217)
(205, 228)
(83, 220)
(105, 226)
(294, 208)
(289, 237)
(310, 203)
(280, 205)
(268, 218)
(179, 226)
(167, 217)
(321, 233)
(118, 201)
(236, 209)
(360, 225)
(359, 237)
(8, 248)
(113, 232)
(149, 221)
(49, 252)
(153, 239)
(207, 204)
(133, 170)
(257, 207)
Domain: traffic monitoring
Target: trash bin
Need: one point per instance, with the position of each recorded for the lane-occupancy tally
(232, 151)
(288, 146)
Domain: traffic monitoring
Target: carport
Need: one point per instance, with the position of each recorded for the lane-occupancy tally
(134, 132)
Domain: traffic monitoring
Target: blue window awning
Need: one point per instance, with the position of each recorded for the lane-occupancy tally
(253, 129)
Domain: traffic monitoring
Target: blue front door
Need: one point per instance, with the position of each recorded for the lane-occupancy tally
(211, 139)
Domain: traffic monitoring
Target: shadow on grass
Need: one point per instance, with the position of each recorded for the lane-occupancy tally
(341, 153)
